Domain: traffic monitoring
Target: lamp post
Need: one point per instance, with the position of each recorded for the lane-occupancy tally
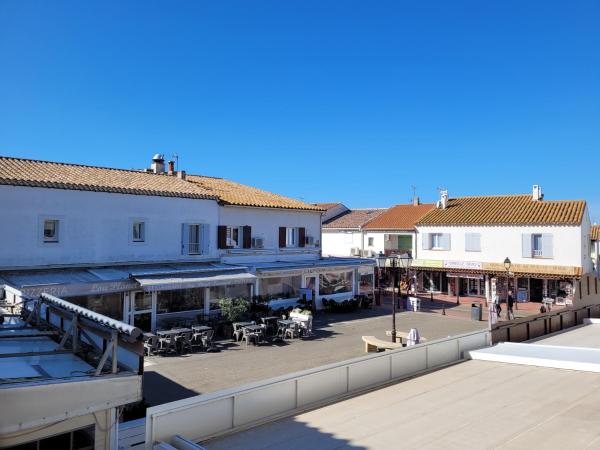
(406, 263)
(380, 259)
(507, 264)
(381, 263)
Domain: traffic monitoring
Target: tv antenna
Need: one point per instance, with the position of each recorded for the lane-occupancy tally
(175, 157)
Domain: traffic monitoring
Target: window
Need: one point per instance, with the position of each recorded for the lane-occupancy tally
(193, 240)
(472, 242)
(291, 237)
(436, 241)
(537, 245)
(179, 300)
(216, 293)
(234, 237)
(138, 231)
(371, 242)
(366, 285)
(335, 283)
(110, 305)
(280, 287)
(51, 230)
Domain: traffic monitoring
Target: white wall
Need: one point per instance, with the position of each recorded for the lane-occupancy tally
(340, 242)
(265, 223)
(95, 226)
(498, 242)
(379, 240)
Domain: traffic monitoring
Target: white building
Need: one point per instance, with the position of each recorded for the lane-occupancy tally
(394, 232)
(148, 247)
(343, 233)
(464, 242)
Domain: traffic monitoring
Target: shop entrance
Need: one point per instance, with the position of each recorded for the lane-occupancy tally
(139, 307)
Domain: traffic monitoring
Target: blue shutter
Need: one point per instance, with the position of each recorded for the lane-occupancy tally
(473, 242)
(205, 238)
(526, 245)
(426, 241)
(547, 246)
(445, 241)
(185, 239)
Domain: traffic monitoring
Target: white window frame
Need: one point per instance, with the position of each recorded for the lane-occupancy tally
(55, 238)
(195, 248)
(370, 242)
(141, 239)
(291, 237)
(60, 231)
(240, 237)
(539, 238)
(435, 237)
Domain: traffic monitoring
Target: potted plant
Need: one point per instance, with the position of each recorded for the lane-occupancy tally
(233, 310)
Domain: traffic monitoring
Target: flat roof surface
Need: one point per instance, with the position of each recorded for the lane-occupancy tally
(587, 336)
(24, 368)
(472, 405)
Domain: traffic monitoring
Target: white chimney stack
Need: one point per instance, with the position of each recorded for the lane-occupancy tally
(158, 163)
(537, 194)
(443, 201)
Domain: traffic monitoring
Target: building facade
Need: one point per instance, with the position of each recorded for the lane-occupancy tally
(152, 246)
(464, 242)
(344, 233)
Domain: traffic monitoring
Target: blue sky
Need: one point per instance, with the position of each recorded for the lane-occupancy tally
(348, 101)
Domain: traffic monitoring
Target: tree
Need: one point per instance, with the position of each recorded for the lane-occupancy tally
(233, 309)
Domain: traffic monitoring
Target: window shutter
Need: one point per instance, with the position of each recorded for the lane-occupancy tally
(547, 245)
(282, 236)
(205, 238)
(222, 236)
(301, 236)
(445, 241)
(426, 241)
(247, 238)
(185, 238)
(526, 245)
(473, 242)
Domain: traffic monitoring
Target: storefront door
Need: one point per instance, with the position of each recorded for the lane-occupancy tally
(141, 310)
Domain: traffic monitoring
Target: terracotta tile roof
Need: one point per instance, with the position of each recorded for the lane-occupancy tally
(506, 210)
(35, 173)
(595, 232)
(326, 206)
(399, 217)
(354, 218)
(232, 193)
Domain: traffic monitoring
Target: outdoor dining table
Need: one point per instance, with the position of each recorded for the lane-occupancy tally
(253, 328)
(242, 324)
(200, 328)
(172, 331)
(286, 322)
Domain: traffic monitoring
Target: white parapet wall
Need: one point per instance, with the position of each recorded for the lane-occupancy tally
(210, 415)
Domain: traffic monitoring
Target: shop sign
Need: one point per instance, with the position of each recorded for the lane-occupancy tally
(465, 275)
(534, 269)
(66, 290)
(433, 263)
(472, 265)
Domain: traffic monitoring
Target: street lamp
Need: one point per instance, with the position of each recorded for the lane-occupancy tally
(507, 265)
(380, 259)
(406, 263)
(394, 263)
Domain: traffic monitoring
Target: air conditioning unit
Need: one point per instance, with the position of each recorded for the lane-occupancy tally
(355, 251)
(257, 242)
(309, 240)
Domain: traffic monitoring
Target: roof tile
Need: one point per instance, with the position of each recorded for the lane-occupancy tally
(399, 217)
(506, 210)
(354, 218)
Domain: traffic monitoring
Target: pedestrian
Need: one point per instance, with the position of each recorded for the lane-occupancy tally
(498, 309)
(510, 301)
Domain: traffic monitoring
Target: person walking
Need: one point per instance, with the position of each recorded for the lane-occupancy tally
(510, 301)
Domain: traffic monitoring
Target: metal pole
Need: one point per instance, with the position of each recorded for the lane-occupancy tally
(393, 300)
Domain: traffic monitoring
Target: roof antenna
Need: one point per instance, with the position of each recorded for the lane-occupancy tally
(175, 156)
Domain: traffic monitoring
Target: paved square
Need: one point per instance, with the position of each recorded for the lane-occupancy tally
(337, 337)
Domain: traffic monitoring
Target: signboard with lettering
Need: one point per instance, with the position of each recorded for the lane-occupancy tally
(472, 265)
(433, 263)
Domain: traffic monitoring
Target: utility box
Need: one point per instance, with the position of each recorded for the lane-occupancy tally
(476, 311)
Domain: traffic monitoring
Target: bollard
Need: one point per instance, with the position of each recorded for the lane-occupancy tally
(431, 296)
(444, 310)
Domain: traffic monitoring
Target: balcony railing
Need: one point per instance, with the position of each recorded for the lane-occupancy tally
(194, 248)
(537, 253)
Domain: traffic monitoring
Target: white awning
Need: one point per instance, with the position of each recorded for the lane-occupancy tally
(151, 284)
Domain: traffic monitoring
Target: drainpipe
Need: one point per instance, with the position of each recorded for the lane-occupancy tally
(362, 242)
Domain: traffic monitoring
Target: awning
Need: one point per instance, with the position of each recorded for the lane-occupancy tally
(152, 284)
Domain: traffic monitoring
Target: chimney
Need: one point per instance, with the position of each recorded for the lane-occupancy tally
(416, 201)
(181, 174)
(171, 167)
(443, 201)
(537, 194)
(158, 163)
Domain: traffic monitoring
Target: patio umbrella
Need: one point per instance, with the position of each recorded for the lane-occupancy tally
(413, 337)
